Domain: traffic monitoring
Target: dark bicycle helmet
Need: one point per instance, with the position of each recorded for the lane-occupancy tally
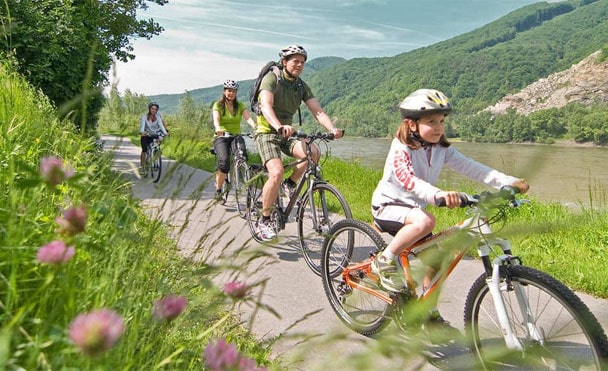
(153, 104)
(293, 50)
(231, 84)
(424, 101)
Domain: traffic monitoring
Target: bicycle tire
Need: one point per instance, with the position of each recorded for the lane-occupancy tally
(330, 206)
(157, 165)
(358, 310)
(573, 338)
(241, 176)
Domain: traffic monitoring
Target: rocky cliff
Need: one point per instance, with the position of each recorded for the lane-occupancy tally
(585, 82)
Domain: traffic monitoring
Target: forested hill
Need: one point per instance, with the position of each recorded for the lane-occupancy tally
(475, 69)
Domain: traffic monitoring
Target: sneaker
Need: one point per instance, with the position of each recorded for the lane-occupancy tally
(266, 231)
(391, 278)
(287, 188)
(439, 330)
(218, 195)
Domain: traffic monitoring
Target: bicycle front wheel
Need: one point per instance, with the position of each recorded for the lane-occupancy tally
(556, 329)
(240, 178)
(318, 212)
(346, 251)
(157, 166)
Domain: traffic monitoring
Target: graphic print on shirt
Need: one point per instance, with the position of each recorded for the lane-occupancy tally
(404, 171)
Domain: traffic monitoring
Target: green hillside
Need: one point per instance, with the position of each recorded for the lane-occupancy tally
(475, 69)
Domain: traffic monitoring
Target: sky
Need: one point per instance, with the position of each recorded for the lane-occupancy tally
(208, 41)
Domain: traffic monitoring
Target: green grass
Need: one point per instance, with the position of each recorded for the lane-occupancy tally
(124, 261)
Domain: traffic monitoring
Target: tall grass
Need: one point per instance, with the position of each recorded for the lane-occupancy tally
(124, 261)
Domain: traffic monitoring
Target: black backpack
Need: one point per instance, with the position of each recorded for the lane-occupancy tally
(274, 67)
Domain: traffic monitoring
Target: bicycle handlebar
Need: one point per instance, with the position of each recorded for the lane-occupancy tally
(505, 193)
(318, 135)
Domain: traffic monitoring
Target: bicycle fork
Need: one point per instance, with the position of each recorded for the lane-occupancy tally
(494, 285)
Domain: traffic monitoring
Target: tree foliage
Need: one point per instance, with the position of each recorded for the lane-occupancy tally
(66, 48)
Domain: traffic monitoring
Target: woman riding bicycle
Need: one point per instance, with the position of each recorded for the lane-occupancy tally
(413, 165)
(150, 125)
(227, 115)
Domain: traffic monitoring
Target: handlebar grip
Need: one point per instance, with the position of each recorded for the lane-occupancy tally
(465, 200)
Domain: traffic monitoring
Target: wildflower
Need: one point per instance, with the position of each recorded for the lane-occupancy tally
(53, 170)
(55, 252)
(169, 307)
(73, 221)
(97, 331)
(222, 356)
(236, 289)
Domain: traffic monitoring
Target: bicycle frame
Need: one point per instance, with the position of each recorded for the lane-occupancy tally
(311, 176)
(478, 228)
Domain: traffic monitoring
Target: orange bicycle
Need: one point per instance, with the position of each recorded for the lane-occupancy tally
(514, 315)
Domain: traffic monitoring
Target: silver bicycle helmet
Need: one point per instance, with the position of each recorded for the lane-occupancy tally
(424, 101)
(231, 84)
(153, 104)
(293, 50)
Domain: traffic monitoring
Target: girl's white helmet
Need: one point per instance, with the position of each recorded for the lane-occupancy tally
(424, 101)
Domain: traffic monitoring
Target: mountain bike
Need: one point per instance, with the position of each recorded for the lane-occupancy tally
(239, 172)
(514, 315)
(153, 162)
(318, 204)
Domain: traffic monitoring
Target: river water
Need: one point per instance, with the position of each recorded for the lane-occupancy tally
(570, 175)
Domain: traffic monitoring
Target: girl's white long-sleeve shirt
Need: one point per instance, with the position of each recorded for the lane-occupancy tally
(410, 176)
(146, 126)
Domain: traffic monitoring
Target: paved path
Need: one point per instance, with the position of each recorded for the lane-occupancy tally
(297, 317)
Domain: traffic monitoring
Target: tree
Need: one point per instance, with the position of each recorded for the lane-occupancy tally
(66, 48)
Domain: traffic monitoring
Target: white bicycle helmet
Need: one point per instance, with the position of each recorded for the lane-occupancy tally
(293, 50)
(231, 84)
(153, 104)
(424, 101)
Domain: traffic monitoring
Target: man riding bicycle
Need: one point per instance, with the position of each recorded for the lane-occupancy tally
(279, 100)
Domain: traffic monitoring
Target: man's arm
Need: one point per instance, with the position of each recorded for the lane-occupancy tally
(266, 103)
(322, 117)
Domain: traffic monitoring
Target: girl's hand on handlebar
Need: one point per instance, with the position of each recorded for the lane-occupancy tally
(219, 133)
(522, 185)
(452, 199)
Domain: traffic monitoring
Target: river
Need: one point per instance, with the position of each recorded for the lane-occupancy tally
(570, 175)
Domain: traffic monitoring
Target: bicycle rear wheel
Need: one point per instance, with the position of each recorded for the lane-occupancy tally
(572, 337)
(316, 215)
(240, 178)
(157, 165)
(349, 243)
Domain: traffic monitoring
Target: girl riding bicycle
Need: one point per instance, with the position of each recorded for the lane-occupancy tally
(227, 115)
(152, 122)
(413, 165)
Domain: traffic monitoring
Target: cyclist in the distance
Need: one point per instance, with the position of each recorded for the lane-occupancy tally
(279, 100)
(227, 114)
(413, 165)
(150, 124)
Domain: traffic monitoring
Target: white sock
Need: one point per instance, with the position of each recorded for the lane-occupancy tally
(388, 255)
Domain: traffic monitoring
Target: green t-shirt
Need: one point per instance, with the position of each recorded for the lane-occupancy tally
(228, 122)
(287, 99)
